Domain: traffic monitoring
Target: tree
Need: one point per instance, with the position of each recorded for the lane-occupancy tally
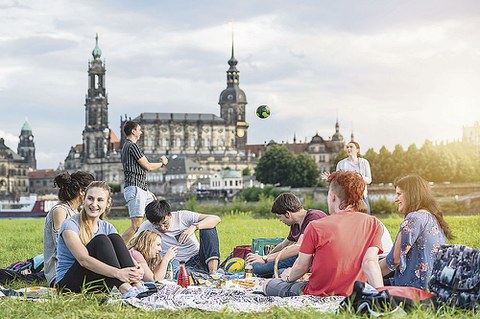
(384, 167)
(340, 156)
(304, 172)
(275, 165)
(246, 171)
(279, 166)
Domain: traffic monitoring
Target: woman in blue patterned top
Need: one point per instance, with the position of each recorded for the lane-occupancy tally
(421, 233)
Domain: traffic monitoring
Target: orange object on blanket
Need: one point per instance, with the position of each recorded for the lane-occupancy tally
(412, 293)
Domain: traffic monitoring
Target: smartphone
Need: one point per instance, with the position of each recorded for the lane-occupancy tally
(177, 237)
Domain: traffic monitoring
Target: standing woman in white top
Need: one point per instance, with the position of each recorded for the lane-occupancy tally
(70, 194)
(355, 162)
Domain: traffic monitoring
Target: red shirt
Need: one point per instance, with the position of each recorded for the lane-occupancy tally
(338, 243)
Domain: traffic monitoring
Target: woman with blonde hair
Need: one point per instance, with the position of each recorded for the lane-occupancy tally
(421, 233)
(71, 190)
(91, 254)
(145, 249)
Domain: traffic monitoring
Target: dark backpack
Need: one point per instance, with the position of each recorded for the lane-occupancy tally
(386, 300)
(456, 276)
(34, 264)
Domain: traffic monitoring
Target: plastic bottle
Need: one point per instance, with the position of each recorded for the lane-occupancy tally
(183, 279)
(248, 273)
(170, 274)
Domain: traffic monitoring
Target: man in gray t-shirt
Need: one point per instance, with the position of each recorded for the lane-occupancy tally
(178, 229)
(135, 167)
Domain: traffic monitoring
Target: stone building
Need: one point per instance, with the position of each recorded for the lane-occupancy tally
(214, 141)
(26, 145)
(226, 182)
(322, 151)
(41, 181)
(98, 154)
(13, 173)
(197, 140)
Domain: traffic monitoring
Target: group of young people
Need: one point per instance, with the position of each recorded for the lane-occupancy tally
(84, 252)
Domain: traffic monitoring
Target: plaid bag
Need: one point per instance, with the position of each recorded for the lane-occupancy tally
(456, 276)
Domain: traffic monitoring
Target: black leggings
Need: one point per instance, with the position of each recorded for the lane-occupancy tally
(109, 249)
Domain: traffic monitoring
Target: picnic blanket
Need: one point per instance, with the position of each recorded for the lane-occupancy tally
(173, 297)
(29, 293)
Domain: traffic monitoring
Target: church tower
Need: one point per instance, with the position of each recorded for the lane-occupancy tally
(337, 138)
(232, 104)
(96, 134)
(26, 146)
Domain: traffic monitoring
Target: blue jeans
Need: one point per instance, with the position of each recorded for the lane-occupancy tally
(265, 270)
(209, 249)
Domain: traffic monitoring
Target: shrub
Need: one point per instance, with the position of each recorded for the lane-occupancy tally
(455, 208)
(263, 208)
(252, 194)
(382, 206)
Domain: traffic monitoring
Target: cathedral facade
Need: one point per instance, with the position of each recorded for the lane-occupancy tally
(214, 141)
(208, 142)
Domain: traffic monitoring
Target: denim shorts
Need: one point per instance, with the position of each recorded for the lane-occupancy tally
(137, 199)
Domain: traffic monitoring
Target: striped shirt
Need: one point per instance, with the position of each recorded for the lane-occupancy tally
(135, 175)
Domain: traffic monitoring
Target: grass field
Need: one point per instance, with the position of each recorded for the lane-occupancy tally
(22, 239)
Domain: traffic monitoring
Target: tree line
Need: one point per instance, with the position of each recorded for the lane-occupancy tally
(444, 162)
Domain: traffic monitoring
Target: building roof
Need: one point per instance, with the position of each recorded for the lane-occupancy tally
(227, 173)
(7, 153)
(188, 117)
(26, 127)
(183, 165)
(42, 173)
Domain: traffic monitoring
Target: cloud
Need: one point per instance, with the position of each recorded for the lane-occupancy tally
(393, 72)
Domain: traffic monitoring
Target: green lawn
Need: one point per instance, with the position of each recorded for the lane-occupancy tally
(21, 239)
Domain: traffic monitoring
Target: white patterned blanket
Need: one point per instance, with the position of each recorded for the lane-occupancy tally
(173, 297)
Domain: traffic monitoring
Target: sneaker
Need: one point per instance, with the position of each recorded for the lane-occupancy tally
(142, 288)
(131, 293)
(146, 289)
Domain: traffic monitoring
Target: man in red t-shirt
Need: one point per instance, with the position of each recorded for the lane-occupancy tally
(338, 249)
(289, 210)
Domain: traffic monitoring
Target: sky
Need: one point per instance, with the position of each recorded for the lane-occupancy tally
(393, 72)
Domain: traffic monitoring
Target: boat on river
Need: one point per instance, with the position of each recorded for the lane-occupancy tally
(28, 206)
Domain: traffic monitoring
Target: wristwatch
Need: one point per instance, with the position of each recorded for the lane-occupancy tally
(265, 258)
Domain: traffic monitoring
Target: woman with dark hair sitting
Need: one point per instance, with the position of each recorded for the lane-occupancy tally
(421, 233)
